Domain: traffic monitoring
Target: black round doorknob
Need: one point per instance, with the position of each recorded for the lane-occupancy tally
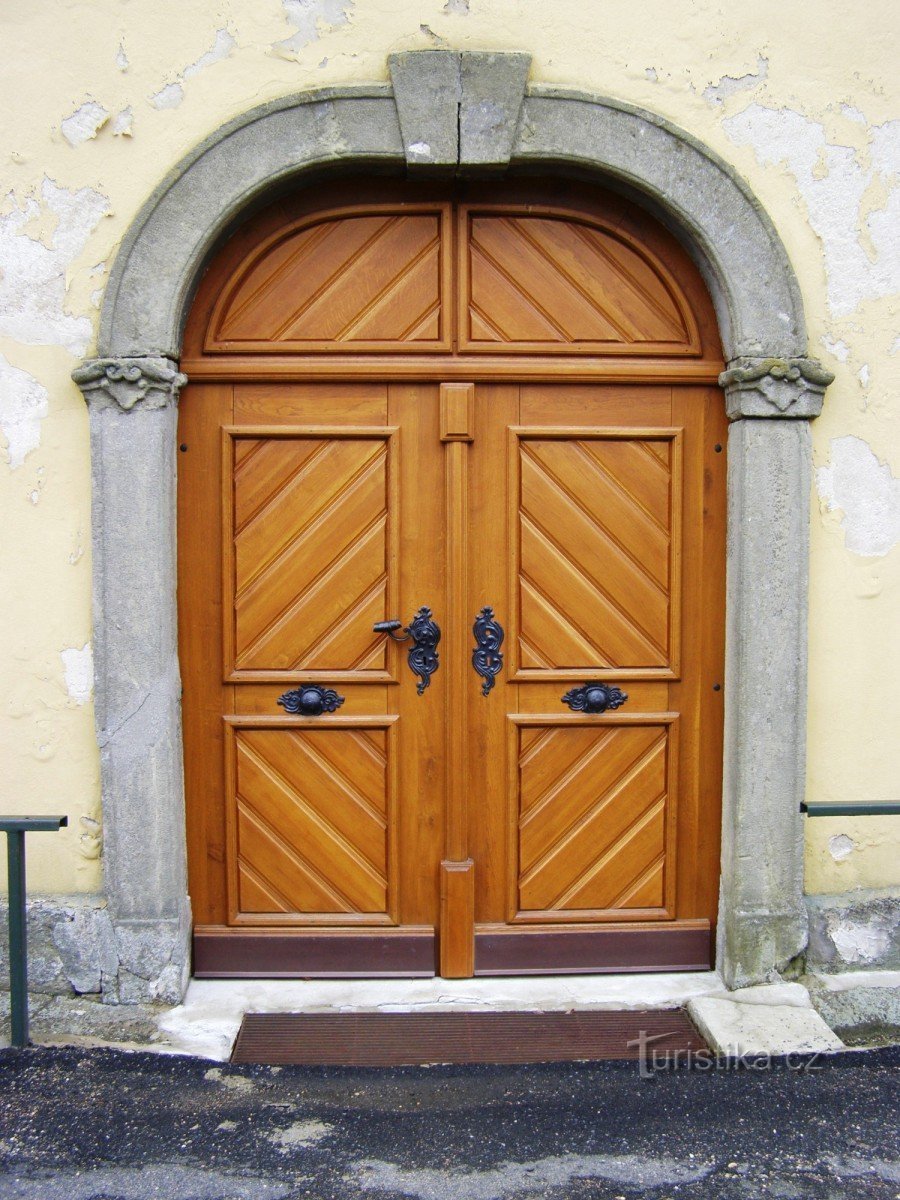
(596, 699)
(312, 702)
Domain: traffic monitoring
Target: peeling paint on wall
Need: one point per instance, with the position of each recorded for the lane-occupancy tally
(90, 841)
(839, 348)
(867, 494)
(168, 97)
(23, 405)
(84, 123)
(33, 273)
(172, 94)
(862, 250)
(221, 48)
(840, 847)
(78, 665)
(729, 86)
(123, 123)
(307, 15)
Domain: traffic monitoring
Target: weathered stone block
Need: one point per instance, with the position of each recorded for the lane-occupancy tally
(855, 930)
(492, 90)
(427, 92)
(70, 945)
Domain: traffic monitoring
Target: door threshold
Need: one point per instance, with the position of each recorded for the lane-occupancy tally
(207, 1022)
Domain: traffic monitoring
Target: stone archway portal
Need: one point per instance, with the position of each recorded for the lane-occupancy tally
(448, 113)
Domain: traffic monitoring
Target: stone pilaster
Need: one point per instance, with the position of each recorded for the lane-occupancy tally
(133, 421)
(762, 919)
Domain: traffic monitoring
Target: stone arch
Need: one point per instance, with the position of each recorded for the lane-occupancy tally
(447, 113)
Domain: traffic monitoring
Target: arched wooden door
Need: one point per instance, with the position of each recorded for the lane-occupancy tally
(489, 415)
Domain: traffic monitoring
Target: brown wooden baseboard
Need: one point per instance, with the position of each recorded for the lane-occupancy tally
(224, 953)
(675, 946)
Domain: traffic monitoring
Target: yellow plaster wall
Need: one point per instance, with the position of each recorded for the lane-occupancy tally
(801, 99)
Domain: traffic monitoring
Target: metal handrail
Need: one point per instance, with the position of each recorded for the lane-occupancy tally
(15, 829)
(850, 808)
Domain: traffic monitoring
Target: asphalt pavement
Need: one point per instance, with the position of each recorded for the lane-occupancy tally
(103, 1124)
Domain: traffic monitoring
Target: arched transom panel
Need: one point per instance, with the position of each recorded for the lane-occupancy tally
(494, 278)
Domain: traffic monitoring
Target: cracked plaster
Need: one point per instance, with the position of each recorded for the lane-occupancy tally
(860, 239)
(35, 270)
(865, 492)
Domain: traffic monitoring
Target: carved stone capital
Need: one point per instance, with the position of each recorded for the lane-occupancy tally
(127, 382)
(774, 387)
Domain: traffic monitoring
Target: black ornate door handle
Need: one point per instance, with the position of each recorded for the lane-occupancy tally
(594, 698)
(425, 634)
(311, 701)
(487, 658)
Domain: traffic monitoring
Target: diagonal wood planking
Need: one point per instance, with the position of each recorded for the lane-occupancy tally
(311, 821)
(592, 818)
(354, 279)
(544, 280)
(594, 533)
(310, 554)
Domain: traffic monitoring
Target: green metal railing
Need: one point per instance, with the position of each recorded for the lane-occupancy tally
(15, 829)
(850, 808)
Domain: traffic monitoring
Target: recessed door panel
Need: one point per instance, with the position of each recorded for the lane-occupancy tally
(312, 813)
(311, 551)
(597, 527)
(595, 820)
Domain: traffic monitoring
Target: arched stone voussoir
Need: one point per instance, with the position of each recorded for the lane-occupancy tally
(172, 237)
(694, 192)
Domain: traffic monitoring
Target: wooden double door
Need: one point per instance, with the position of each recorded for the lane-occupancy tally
(530, 780)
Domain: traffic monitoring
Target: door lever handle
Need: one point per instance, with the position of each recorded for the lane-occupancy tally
(388, 627)
(425, 633)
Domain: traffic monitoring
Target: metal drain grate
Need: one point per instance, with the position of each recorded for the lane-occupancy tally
(407, 1039)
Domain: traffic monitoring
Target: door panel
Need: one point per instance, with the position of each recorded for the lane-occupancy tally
(566, 286)
(364, 280)
(311, 558)
(311, 822)
(595, 565)
(595, 824)
(606, 536)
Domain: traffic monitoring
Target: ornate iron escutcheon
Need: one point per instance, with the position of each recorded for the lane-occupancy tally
(423, 656)
(310, 701)
(487, 658)
(425, 634)
(594, 698)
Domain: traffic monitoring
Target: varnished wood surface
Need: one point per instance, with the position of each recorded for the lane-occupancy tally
(581, 496)
(558, 271)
